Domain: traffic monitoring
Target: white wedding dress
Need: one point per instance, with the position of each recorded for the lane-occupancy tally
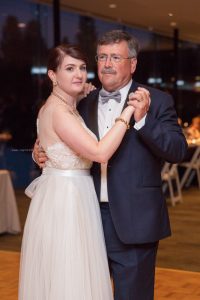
(63, 253)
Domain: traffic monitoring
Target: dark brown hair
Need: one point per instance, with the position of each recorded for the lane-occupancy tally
(117, 36)
(57, 54)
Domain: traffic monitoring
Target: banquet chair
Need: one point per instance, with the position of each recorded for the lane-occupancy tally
(170, 178)
(192, 165)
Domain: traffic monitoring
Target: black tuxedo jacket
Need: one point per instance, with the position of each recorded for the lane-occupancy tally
(137, 205)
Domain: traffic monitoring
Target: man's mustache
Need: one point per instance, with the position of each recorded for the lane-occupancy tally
(108, 71)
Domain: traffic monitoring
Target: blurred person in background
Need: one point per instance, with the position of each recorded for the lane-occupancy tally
(193, 131)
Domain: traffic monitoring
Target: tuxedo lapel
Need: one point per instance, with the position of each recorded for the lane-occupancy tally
(93, 115)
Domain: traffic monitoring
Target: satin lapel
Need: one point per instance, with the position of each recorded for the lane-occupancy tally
(93, 116)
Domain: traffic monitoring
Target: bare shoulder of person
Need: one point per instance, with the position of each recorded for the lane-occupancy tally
(64, 116)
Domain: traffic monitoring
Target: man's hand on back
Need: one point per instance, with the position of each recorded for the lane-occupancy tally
(39, 154)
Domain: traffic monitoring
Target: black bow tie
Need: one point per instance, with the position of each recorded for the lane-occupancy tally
(106, 96)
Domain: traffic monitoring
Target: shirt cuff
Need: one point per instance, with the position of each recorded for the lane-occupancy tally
(140, 124)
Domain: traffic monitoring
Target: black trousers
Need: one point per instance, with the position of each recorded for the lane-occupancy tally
(132, 267)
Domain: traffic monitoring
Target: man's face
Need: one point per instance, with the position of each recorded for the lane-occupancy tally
(112, 74)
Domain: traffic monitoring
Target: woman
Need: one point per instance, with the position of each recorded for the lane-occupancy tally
(63, 251)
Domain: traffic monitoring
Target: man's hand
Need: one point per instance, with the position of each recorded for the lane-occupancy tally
(140, 100)
(88, 88)
(39, 154)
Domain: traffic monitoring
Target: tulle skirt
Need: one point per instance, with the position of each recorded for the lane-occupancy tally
(63, 253)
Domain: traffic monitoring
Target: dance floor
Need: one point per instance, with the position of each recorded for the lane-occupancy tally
(170, 284)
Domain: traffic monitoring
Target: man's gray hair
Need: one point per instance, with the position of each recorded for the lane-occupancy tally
(117, 36)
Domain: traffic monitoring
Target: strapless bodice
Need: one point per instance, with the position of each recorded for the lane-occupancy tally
(60, 156)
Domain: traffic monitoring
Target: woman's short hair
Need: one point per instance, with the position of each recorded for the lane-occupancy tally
(57, 55)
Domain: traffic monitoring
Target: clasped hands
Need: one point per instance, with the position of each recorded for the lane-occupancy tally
(140, 100)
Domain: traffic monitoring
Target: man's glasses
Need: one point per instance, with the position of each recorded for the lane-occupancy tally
(113, 58)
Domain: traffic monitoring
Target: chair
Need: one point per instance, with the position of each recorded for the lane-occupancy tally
(170, 178)
(192, 165)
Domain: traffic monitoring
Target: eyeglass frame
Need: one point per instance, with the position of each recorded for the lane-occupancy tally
(111, 58)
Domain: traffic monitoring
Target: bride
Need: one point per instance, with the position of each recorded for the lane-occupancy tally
(63, 253)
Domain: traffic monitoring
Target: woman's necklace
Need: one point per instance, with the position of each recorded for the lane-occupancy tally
(73, 109)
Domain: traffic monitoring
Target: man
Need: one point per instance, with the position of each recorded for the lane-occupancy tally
(134, 212)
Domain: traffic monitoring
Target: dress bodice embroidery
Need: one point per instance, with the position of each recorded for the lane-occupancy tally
(62, 157)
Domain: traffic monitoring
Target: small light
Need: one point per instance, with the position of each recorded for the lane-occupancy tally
(21, 25)
(152, 80)
(90, 75)
(173, 24)
(170, 14)
(158, 80)
(38, 70)
(172, 79)
(197, 84)
(112, 5)
(180, 82)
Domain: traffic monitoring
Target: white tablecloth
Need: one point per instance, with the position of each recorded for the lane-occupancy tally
(9, 218)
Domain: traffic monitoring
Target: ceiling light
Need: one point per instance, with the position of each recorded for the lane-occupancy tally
(173, 24)
(38, 70)
(112, 5)
(21, 25)
(170, 14)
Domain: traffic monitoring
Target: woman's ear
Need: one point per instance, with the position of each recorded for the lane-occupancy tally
(52, 77)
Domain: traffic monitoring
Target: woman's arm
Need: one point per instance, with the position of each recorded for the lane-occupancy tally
(71, 131)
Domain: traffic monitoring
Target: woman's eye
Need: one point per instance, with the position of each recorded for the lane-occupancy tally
(70, 69)
(83, 68)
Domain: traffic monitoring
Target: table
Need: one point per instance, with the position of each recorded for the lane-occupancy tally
(9, 217)
(4, 138)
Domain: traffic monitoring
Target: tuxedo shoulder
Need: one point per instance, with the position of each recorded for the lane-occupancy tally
(91, 97)
(158, 95)
(154, 90)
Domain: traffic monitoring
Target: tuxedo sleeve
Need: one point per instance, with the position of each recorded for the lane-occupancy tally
(161, 132)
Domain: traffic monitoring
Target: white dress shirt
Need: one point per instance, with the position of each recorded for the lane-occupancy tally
(107, 113)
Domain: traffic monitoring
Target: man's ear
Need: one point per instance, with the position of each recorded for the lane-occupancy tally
(133, 65)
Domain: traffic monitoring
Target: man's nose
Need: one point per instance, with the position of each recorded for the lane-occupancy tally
(108, 61)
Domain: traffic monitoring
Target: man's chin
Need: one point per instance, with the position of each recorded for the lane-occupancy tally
(109, 85)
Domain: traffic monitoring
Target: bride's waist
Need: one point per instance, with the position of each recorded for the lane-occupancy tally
(62, 172)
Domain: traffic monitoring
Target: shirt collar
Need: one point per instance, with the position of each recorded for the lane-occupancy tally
(124, 90)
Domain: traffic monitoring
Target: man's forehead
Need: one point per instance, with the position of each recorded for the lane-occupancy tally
(121, 46)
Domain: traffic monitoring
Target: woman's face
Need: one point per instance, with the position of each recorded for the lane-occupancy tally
(71, 75)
